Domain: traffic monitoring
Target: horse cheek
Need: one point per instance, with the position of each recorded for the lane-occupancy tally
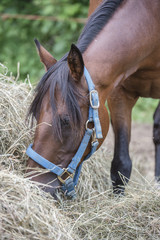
(104, 119)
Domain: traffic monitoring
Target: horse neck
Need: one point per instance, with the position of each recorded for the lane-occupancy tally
(117, 51)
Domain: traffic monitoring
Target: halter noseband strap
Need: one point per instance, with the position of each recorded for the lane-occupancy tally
(65, 175)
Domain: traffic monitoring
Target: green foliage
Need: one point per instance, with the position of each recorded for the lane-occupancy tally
(144, 110)
(17, 35)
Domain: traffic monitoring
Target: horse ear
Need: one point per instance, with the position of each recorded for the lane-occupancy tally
(75, 63)
(46, 58)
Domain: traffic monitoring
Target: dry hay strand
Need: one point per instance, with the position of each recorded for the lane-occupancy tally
(26, 212)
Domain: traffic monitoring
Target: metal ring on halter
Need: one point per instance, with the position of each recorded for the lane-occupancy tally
(88, 121)
(93, 131)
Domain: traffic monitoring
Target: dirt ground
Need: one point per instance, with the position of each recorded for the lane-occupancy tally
(141, 148)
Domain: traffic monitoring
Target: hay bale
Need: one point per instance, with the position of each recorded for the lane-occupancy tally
(14, 134)
(135, 216)
(26, 212)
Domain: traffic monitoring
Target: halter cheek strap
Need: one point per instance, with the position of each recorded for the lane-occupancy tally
(69, 176)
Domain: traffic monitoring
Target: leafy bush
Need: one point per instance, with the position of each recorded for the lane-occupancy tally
(17, 35)
(144, 110)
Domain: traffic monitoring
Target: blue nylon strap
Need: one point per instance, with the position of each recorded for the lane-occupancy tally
(96, 117)
(43, 162)
(97, 124)
(94, 146)
(78, 156)
(90, 115)
(77, 174)
(68, 188)
(90, 83)
(78, 170)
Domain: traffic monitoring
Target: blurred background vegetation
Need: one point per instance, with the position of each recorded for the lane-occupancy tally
(17, 35)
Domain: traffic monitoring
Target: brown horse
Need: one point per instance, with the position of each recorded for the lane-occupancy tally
(120, 47)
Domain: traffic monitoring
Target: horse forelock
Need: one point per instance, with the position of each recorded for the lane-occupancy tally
(58, 79)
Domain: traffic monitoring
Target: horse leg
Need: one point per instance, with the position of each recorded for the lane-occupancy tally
(156, 140)
(120, 104)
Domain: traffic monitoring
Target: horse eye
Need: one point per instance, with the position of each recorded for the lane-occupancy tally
(65, 121)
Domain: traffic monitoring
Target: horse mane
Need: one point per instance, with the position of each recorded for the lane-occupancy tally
(97, 21)
(58, 75)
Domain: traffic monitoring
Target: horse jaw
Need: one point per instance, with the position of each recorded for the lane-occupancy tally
(47, 181)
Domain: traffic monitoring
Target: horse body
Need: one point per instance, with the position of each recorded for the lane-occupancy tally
(123, 61)
(131, 51)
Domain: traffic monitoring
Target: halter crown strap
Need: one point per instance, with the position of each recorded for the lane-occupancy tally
(69, 182)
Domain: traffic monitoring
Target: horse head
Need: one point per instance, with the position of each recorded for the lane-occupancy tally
(61, 108)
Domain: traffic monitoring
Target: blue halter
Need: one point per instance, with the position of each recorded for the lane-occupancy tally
(69, 176)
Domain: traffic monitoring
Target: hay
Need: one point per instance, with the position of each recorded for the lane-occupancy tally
(26, 212)
(14, 135)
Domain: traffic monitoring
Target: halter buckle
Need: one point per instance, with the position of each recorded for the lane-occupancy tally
(95, 98)
(62, 180)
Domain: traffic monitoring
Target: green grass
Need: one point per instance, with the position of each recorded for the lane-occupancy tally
(144, 109)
